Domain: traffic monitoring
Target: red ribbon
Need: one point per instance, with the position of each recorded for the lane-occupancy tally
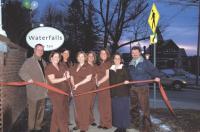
(54, 89)
(40, 84)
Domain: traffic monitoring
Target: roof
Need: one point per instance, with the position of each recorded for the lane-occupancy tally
(6, 42)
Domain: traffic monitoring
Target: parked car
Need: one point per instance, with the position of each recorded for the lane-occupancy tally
(174, 80)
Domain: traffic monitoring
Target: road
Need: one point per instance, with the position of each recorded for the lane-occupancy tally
(189, 98)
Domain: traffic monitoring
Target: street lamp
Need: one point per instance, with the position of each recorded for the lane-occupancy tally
(2, 32)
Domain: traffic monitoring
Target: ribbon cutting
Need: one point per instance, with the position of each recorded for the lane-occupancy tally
(54, 89)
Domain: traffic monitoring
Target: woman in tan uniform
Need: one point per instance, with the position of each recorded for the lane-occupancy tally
(91, 59)
(81, 76)
(104, 99)
(57, 76)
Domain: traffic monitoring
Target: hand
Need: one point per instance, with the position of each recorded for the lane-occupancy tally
(126, 82)
(75, 87)
(30, 81)
(64, 76)
(97, 84)
(67, 74)
(157, 79)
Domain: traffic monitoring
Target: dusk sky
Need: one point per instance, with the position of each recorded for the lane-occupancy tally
(183, 23)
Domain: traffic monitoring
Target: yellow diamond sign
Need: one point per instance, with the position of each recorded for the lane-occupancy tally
(153, 18)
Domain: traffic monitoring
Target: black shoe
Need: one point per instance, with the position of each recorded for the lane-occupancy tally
(70, 124)
(105, 128)
(117, 130)
(93, 124)
(75, 128)
(123, 130)
(99, 127)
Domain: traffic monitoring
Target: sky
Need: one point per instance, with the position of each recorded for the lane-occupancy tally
(182, 21)
(182, 29)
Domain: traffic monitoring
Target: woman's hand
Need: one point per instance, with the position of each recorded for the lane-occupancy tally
(97, 84)
(75, 87)
(67, 74)
(126, 82)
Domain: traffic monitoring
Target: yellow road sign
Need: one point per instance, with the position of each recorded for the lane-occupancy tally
(153, 18)
(153, 39)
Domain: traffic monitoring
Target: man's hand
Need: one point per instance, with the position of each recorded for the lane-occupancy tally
(30, 81)
(157, 79)
(126, 82)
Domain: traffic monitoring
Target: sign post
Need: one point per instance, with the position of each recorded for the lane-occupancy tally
(153, 22)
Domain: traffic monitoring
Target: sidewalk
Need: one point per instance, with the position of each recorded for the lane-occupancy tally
(96, 114)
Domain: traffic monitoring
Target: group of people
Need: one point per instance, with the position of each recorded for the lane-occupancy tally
(120, 106)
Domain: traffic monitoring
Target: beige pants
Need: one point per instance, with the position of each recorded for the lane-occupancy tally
(36, 110)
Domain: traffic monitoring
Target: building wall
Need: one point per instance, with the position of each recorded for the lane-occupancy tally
(14, 98)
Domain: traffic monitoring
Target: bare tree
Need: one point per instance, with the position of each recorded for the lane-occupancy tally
(117, 17)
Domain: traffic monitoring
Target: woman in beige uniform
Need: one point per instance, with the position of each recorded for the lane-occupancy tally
(81, 76)
(57, 76)
(104, 99)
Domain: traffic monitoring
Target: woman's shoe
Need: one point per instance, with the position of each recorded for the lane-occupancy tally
(105, 128)
(93, 124)
(117, 130)
(75, 128)
(100, 127)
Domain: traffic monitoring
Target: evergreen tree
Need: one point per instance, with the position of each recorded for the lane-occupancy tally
(74, 26)
(90, 32)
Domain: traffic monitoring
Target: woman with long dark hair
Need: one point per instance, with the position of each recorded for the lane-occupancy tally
(104, 99)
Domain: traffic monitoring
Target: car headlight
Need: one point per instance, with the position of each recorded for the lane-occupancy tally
(184, 82)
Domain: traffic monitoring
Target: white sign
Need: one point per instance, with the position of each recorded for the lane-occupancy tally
(50, 38)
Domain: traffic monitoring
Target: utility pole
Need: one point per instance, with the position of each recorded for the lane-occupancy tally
(198, 50)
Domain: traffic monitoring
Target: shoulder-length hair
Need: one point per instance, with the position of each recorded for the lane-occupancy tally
(94, 54)
(121, 59)
(81, 52)
(53, 53)
(107, 53)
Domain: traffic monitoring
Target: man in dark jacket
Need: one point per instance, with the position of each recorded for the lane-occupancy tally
(141, 69)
